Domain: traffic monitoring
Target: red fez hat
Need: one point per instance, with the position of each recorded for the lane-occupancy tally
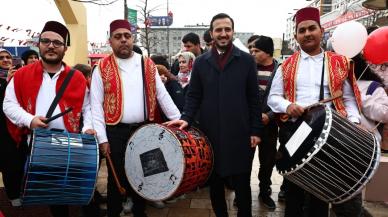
(116, 24)
(54, 26)
(308, 13)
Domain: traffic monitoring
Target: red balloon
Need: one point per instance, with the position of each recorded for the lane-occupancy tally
(376, 47)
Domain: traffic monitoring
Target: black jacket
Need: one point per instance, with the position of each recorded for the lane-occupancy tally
(228, 102)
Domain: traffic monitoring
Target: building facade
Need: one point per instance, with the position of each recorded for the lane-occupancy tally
(336, 12)
(169, 41)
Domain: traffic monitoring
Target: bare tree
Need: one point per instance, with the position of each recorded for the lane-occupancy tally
(146, 36)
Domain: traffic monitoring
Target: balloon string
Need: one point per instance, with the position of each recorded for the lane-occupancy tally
(377, 125)
(363, 72)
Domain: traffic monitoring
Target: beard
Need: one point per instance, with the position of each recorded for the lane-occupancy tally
(123, 52)
(52, 61)
(223, 46)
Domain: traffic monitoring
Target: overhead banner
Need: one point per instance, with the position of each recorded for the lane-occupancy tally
(132, 19)
(160, 20)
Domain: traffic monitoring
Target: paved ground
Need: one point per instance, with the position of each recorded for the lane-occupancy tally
(196, 204)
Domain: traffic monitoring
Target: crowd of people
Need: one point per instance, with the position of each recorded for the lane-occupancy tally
(232, 96)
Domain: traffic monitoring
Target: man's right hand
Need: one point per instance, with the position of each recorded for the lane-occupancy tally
(104, 148)
(37, 122)
(295, 110)
(180, 123)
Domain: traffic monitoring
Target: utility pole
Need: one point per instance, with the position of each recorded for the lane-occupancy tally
(168, 38)
(125, 10)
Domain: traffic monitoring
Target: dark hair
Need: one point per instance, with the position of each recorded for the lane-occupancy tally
(220, 16)
(370, 29)
(359, 67)
(265, 44)
(137, 49)
(252, 38)
(207, 37)
(191, 37)
(160, 60)
(27, 54)
(85, 69)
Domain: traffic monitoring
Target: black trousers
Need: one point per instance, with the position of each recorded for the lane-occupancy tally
(301, 203)
(242, 187)
(118, 136)
(13, 160)
(267, 153)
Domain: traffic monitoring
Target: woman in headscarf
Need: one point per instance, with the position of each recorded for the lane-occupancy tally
(186, 60)
(374, 98)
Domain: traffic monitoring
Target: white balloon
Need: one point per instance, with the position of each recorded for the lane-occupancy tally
(349, 38)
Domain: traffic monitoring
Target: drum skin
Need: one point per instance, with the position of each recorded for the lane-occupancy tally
(335, 161)
(61, 169)
(162, 162)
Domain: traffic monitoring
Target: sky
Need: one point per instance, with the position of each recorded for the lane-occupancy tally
(264, 17)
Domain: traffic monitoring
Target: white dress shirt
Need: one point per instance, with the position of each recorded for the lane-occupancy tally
(133, 96)
(46, 95)
(308, 82)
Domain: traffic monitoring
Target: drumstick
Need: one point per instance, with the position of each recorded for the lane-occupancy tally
(110, 163)
(336, 95)
(58, 115)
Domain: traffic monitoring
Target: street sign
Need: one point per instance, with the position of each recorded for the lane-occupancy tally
(132, 19)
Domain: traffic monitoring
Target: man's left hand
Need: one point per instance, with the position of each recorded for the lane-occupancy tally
(264, 118)
(255, 141)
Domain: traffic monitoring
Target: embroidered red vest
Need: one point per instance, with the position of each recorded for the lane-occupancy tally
(27, 82)
(113, 93)
(339, 70)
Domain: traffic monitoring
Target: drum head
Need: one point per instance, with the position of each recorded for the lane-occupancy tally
(154, 162)
(313, 122)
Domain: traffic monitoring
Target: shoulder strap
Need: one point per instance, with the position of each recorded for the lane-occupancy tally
(60, 93)
(144, 89)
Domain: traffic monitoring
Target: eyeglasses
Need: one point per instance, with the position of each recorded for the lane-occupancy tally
(47, 42)
(5, 57)
(118, 36)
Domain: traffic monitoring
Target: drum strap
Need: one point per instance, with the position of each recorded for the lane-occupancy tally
(144, 89)
(60, 93)
(323, 74)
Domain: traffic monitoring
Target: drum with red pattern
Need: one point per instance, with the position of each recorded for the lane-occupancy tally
(161, 161)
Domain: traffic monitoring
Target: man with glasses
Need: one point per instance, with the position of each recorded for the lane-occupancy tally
(33, 88)
(125, 93)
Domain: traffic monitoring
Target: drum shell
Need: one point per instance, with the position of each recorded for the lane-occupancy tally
(61, 168)
(341, 162)
(187, 166)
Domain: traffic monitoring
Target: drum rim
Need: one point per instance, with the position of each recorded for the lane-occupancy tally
(183, 162)
(317, 145)
(29, 158)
